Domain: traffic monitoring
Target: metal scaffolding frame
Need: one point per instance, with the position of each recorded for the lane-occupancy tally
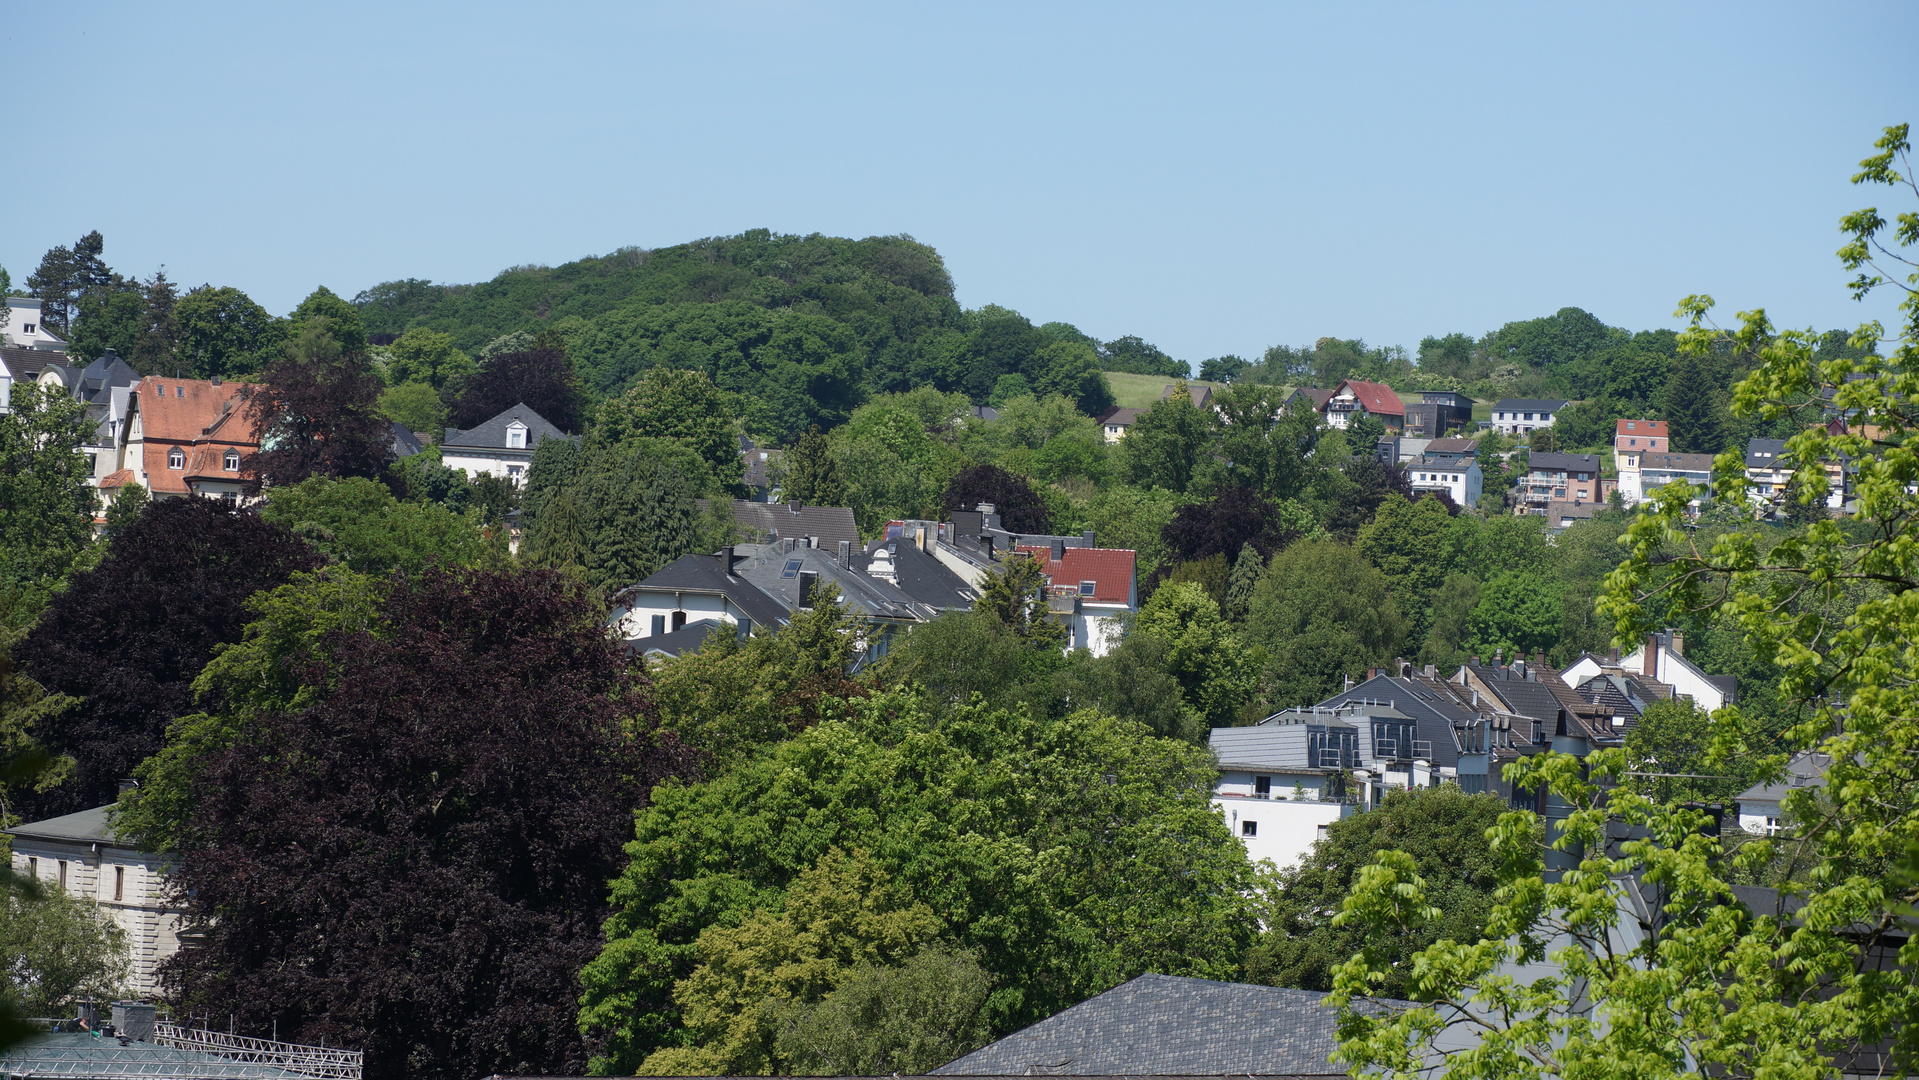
(178, 1053)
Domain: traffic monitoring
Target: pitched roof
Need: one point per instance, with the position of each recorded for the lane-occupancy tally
(87, 826)
(776, 569)
(492, 434)
(1434, 710)
(1530, 404)
(1556, 511)
(779, 521)
(1677, 462)
(1165, 1025)
(686, 639)
(1376, 398)
(1198, 392)
(1651, 428)
(1110, 570)
(1765, 454)
(27, 364)
(97, 381)
(1805, 770)
(701, 573)
(757, 461)
(920, 576)
(1427, 461)
(1452, 446)
(1122, 417)
(1569, 462)
(400, 442)
(1313, 394)
(191, 414)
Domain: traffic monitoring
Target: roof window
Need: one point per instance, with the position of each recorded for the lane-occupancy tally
(792, 568)
(232, 461)
(176, 458)
(1086, 587)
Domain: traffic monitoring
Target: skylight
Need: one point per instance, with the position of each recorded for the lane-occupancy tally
(792, 568)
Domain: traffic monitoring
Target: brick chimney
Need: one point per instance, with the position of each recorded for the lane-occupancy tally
(1650, 668)
(1678, 639)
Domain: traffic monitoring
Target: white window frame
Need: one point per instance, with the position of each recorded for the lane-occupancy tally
(176, 458)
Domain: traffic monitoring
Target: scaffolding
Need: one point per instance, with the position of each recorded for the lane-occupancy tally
(177, 1053)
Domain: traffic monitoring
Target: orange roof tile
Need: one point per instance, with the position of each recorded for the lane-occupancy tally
(1377, 398)
(1109, 569)
(1654, 428)
(198, 417)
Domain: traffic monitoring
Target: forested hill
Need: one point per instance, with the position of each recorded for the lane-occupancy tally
(807, 326)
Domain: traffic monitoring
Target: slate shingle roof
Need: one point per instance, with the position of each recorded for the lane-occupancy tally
(778, 521)
(1551, 462)
(492, 434)
(1677, 462)
(1529, 405)
(1434, 709)
(1165, 1025)
(921, 576)
(701, 573)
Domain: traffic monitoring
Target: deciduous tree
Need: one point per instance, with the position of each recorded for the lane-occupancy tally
(316, 410)
(541, 376)
(1020, 508)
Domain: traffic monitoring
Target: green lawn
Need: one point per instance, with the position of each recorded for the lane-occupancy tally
(1142, 391)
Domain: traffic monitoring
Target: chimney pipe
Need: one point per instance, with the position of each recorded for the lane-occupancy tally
(726, 560)
(1678, 642)
(1650, 667)
(1087, 536)
(846, 554)
(1059, 548)
(794, 506)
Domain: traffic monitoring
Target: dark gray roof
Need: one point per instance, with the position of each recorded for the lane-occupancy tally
(756, 462)
(492, 434)
(1568, 462)
(791, 520)
(701, 573)
(1432, 708)
(772, 568)
(921, 576)
(400, 442)
(1452, 446)
(1165, 1025)
(29, 363)
(1529, 404)
(97, 381)
(686, 639)
(1678, 462)
(1765, 453)
(88, 826)
(1805, 770)
(1525, 698)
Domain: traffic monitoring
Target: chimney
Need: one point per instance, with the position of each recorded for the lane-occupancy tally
(1087, 536)
(846, 554)
(921, 540)
(1678, 639)
(795, 505)
(127, 784)
(1432, 671)
(726, 560)
(1539, 658)
(1059, 548)
(987, 508)
(216, 380)
(809, 586)
(1650, 668)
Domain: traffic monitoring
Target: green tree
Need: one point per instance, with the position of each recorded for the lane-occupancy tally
(1406, 541)
(1244, 581)
(1165, 447)
(811, 475)
(1442, 829)
(1692, 408)
(1721, 989)
(358, 522)
(46, 506)
(1675, 737)
(125, 509)
(65, 277)
(1133, 683)
(1516, 614)
(428, 356)
(907, 1020)
(1015, 594)
(56, 949)
(1214, 671)
(1259, 446)
(1066, 856)
(343, 319)
(1448, 632)
(415, 406)
(680, 406)
(1125, 517)
(221, 332)
(1071, 369)
(1322, 612)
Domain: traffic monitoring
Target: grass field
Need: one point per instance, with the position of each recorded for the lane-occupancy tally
(1142, 391)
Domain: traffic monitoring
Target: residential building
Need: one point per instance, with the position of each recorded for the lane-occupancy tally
(1658, 470)
(1354, 398)
(1554, 478)
(21, 366)
(1462, 482)
(1168, 1026)
(1522, 416)
(1090, 590)
(24, 329)
(503, 446)
(1769, 472)
(793, 574)
(1280, 780)
(184, 437)
(694, 588)
(1398, 449)
(1662, 659)
(1310, 398)
(1632, 440)
(1564, 515)
(1201, 394)
(761, 465)
(1114, 422)
(1438, 412)
(82, 854)
(815, 526)
(105, 387)
(1761, 806)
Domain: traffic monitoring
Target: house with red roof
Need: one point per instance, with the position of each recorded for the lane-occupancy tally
(1088, 589)
(1354, 398)
(185, 437)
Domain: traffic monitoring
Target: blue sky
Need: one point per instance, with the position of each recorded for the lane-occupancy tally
(1215, 178)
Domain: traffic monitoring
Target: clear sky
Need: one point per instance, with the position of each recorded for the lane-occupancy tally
(1213, 177)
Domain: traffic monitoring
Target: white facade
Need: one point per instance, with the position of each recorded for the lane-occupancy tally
(129, 885)
(1282, 828)
(644, 613)
(1685, 677)
(1522, 420)
(504, 463)
(1463, 484)
(23, 329)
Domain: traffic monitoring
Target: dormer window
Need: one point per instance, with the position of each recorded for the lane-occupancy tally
(26, 328)
(232, 462)
(516, 437)
(176, 458)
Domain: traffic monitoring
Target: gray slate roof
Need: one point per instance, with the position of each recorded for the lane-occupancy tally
(87, 825)
(1529, 404)
(765, 565)
(1165, 1025)
(1433, 711)
(686, 639)
(492, 434)
(779, 521)
(1765, 453)
(921, 576)
(701, 573)
(1805, 770)
(1677, 462)
(97, 382)
(1587, 463)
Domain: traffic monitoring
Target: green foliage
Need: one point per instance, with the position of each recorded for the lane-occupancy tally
(343, 319)
(220, 331)
(1322, 612)
(1406, 541)
(359, 523)
(888, 463)
(1444, 831)
(812, 477)
(427, 356)
(1164, 448)
(1516, 614)
(1140, 357)
(1066, 856)
(905, 1020)
(125, 509)
(1015, 594)
(1448, 631)
(1215, 673)
(46, 506)
(1675, 737)
(415, 406)
(958, 655)
(57, 949)
(1241, 585)
(1130, 518)
(680, 406)
(1692, 408)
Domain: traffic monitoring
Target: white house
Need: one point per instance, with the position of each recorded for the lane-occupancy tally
(1760, 810)
(1520, 416)
(1460, 478)
(503, 446)
(24, 329)
(1114, 425)
(1631, 441)
(79, 853)
(1769, 472)
(1276, 780)
(1662, 658)
(691, 589)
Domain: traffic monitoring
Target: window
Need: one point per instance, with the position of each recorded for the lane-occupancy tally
(679, 620)
(513, 471)
(26, 328)
(63, 873)
(516, 439)
(119, 882)
(179, 391)
(33, 867)
(176, 458)
(1529, 416)
(659, 625)
(231, 461)
(1262, 786)
(1086, 587)
(791, 569)
(1249, 828)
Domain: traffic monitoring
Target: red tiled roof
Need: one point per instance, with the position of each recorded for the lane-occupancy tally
(1654, 428)
(198, 417)
(1376, 398)
(117, 478)
(1109, 569)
